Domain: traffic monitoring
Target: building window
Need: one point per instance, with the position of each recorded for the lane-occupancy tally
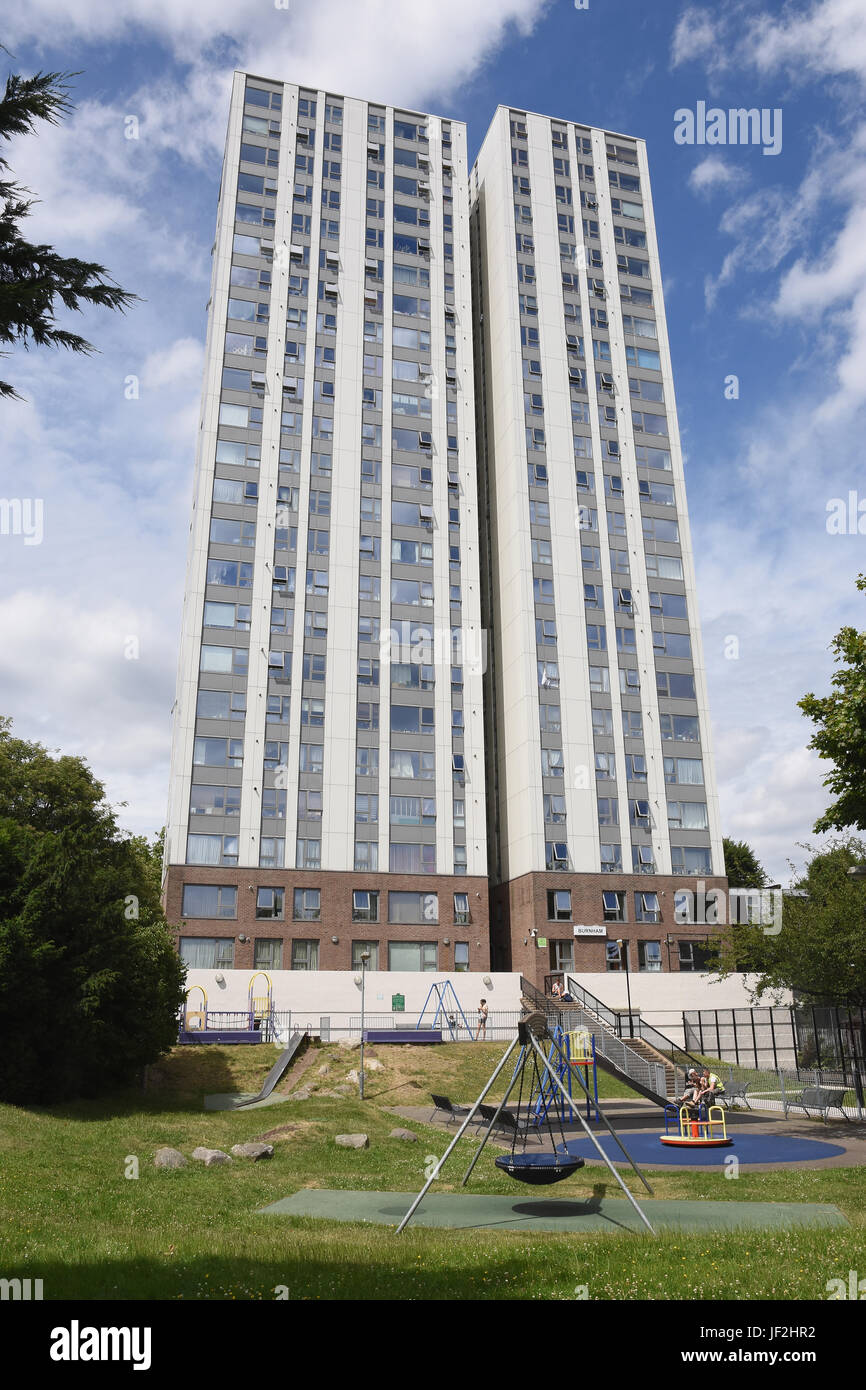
(208, 952)
(694, 955)
(616, 955)
(209, 900)
(461, 908)
(461, 955)
(611, 859)
(305, 955)
(413, 909)
(366, 855)
(559, 905)
(307, 906)
(614, 906)
(272, 853)
(649, 955)
(370, 948)
(211, 849)
(646, 907)
(556, 855)
(413, 955)
(562, 955)
(308, 854)
(365, 906)
(269, 902)
(268, 953)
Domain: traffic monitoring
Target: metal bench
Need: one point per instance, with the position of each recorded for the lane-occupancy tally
(735, 1091)
(505, 1121)
(454, 1112)
(818, 1098)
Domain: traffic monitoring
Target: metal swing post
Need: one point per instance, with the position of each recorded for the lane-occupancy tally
(600, 1115)
(518, 1072)
(436, 1171)
(602, 1154)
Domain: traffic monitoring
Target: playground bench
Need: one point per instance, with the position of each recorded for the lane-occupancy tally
(505, 1120)
(454, 1112)
(735, 1091)
(818, 1098)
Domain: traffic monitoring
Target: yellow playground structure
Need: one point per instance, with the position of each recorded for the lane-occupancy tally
(705, 1128)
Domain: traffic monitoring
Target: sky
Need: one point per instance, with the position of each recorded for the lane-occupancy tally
(764, 262)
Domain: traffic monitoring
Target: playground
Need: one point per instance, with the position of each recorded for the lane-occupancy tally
(85, 1203)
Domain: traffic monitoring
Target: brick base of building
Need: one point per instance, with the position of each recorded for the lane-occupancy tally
(524, 936)
(335, 916)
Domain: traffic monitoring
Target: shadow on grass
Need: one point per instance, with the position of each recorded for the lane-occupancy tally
(347, 1274)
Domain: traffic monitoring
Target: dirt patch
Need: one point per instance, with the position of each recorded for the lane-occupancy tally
(293, 1130)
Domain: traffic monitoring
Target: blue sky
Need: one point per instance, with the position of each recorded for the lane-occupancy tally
(764, 260)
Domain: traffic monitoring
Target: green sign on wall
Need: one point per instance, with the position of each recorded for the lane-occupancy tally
(398, 1003)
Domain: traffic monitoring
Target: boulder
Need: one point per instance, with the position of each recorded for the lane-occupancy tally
(352, 1141)
(373, 1065)
(211, 1158)
(406, 1134)
(253, 1150)
(350, 1042)
(324, 1070)
(169, 1158)
(303, 1093)
(353, 1076)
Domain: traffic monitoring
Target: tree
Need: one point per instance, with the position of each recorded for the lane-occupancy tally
(90, 983)
(841, 735)
(742, 868)
(820, 951)
(33, 278)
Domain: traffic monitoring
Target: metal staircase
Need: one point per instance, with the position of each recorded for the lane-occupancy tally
(646, 1060)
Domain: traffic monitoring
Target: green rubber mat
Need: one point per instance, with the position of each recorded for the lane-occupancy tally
(231, 1100)
(457, 1211)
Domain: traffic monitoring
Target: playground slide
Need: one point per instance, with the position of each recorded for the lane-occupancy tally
(275, 1073)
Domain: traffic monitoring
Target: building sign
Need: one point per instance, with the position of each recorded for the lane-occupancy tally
(542, 942)
(581, 930)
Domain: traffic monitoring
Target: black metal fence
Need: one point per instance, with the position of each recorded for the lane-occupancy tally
(803, 1037)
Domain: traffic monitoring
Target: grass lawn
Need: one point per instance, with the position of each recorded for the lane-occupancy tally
(72, 1218)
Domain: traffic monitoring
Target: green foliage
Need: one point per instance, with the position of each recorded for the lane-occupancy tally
(742, 867)
(841, 735)
(821, 949)
(90, 983)
(34, 277)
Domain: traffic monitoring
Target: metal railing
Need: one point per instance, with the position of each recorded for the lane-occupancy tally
(501, 1024)
(679, 1056)
(780, 1089)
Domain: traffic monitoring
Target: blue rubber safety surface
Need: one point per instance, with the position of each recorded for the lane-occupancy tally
(648, 1151)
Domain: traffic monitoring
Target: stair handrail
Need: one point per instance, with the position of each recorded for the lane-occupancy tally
(679, 1055)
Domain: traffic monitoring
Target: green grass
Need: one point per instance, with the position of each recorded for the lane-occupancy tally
(73, 1219)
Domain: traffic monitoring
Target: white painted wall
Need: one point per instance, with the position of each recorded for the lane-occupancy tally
(661, 998)
(334, 991)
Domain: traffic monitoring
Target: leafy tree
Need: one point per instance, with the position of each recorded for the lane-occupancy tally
(33, 278)
(742, 867)
(820, 951)
(841, 734)
(90, 983)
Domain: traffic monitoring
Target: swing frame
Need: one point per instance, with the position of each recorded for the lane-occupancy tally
(530, 1032)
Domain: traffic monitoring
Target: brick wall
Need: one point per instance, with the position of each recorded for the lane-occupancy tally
(520, 906)
(336, 913)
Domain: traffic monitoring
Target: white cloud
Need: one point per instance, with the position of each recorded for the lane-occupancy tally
(714, 173)
(115, 474)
